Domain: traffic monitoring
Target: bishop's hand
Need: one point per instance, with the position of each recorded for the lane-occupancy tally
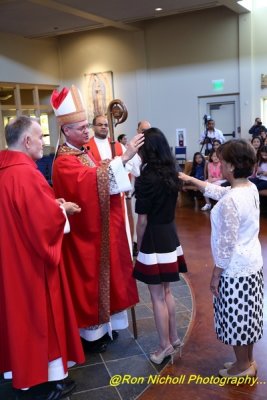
(133, 146)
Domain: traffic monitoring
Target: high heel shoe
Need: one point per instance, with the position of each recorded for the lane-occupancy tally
(177, 345)
(158, 358)
(248, 372)
(229, 364)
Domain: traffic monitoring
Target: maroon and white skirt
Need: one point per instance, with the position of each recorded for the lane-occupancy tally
(161, 257)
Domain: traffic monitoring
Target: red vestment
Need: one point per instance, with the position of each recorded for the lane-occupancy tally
(77, 178)
(38, 323)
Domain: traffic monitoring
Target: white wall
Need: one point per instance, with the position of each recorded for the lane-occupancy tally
(107, 50)
(28, 61)
(185, 53)
(259, 57)
(252, 63)
(160, 72)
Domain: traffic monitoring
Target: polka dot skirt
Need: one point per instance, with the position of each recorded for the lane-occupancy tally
(238, 311)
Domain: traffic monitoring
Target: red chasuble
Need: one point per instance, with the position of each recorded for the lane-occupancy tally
(37, 318)
(96, 252)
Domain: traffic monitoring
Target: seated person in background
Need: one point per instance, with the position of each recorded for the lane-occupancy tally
(199, 166)
(215, 144)
(255, 129)
(122, 139)
(198, 171)
(256, 143)
(263, 133)
(261, 172)
(214, 175)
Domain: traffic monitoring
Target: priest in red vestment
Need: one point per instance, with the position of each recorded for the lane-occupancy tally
(38, 330)
(99, 144)
(96, 252)
(100, 148)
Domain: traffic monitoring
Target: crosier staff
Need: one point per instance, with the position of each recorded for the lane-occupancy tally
(116, 112)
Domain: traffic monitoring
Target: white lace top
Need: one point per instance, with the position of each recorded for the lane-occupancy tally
(234, 229)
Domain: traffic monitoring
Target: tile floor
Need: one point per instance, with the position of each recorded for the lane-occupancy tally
(125, 356)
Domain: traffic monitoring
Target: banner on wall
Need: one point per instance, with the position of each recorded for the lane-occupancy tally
(99, 93)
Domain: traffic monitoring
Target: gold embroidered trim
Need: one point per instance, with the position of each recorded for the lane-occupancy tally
(82, 155)
(76, 98)
(104, 271)
(76, 116)
(104, 201)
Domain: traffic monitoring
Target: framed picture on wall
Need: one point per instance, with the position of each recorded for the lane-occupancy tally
(99, 93)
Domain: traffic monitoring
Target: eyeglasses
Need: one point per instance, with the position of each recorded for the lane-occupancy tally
(105, 125)
(83, 128)
(80, 128)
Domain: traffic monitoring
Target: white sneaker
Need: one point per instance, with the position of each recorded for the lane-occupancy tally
(206, 207)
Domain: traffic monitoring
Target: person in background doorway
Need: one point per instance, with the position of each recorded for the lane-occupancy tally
(209, 134)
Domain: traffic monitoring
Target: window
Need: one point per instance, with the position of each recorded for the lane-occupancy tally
(26, 99)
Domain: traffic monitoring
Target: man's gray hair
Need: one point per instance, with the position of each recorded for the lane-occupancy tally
(16, 127)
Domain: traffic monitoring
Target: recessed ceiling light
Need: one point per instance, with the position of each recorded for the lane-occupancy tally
(158, 9)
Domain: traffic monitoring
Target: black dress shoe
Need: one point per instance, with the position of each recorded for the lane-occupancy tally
(115, 335)
(38, 394)
(97, 346)
(107, 339)
(66, 386)
(47, 391)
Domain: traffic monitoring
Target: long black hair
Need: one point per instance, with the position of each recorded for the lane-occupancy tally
(156, 155)
(263, 149)
(194, 163)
